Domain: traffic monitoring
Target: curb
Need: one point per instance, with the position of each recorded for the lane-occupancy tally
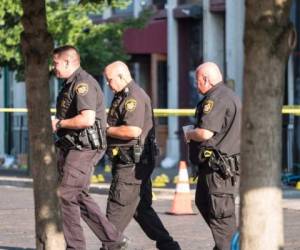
(103, 188)
(290, 195)
(16, 182)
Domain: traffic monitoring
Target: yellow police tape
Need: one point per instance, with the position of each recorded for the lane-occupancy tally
(19, 110)
(287, 109)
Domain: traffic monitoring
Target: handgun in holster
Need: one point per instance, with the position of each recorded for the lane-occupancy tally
(93, 137)
(96, 136)
(67, 142)
(217, 162)
(154, 149)
(102, 134)
(124, 156)
(234, 162)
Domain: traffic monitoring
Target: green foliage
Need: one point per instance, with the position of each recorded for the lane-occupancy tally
(10, 30)
(113, 3)
(69, 23)
(106, 41)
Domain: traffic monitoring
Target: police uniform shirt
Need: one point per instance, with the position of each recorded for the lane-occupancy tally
(80, 92)
(220, 112)
(130, 107)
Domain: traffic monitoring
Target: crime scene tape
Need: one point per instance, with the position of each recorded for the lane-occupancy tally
(19, 110)
(287, 109)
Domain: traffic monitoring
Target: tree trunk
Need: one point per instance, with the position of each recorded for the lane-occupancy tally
(36, 45)
(269, 38)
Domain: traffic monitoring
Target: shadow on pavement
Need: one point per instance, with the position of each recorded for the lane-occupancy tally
(14, 248)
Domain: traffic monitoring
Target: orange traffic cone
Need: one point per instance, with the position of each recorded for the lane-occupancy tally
(182, 202)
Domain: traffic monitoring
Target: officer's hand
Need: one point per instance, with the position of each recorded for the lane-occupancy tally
(54, 122)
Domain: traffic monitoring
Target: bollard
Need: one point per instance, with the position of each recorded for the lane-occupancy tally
(235, 241)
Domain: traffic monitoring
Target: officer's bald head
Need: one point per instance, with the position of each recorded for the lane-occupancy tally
(117, 75)
(207, 75)
(119, 68)
(211, 71)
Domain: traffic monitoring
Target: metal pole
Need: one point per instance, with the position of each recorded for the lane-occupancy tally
(6, 105)
(291, 122)
(234, 23)
(172, 155)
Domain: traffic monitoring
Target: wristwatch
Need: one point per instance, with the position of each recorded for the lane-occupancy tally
(58, 124)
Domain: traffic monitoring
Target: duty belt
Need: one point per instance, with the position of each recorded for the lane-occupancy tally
(227, 166)
(92, 137)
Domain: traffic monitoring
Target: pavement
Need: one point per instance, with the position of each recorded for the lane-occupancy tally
(17, 217)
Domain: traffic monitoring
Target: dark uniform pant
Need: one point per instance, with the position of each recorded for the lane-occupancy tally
(75, 170)
(217, 207)
(130, 197)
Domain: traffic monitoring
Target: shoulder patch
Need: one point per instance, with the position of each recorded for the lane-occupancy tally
(208, 106)
(130, 104)
(82, 89)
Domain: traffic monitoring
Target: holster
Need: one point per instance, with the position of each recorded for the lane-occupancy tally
(125, 154)
(151, 151)
(101, 133)
(68, 142)
(93, 137)
(220, 162)
(226, 166)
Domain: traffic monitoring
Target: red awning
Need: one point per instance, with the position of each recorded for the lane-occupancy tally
(217, 5)
(150, 39)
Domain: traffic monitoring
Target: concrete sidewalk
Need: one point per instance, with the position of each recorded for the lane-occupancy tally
(17, 231)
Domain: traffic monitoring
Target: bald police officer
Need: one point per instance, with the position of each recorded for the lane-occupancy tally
(131, 147)
(80, 126)
(214, 149)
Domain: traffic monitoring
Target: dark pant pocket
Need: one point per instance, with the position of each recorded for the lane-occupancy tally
(74, 178)
(221, 205)
(124, 193)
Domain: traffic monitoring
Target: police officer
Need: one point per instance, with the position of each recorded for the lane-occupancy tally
(80, 126)
(214, 149)
(132, 149)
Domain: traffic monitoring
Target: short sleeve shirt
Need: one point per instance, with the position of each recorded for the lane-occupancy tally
(80, 92)
(220, 112)
(85, 96)
(134, 110)
(127, 108)
(211, 114)
(130, 107)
